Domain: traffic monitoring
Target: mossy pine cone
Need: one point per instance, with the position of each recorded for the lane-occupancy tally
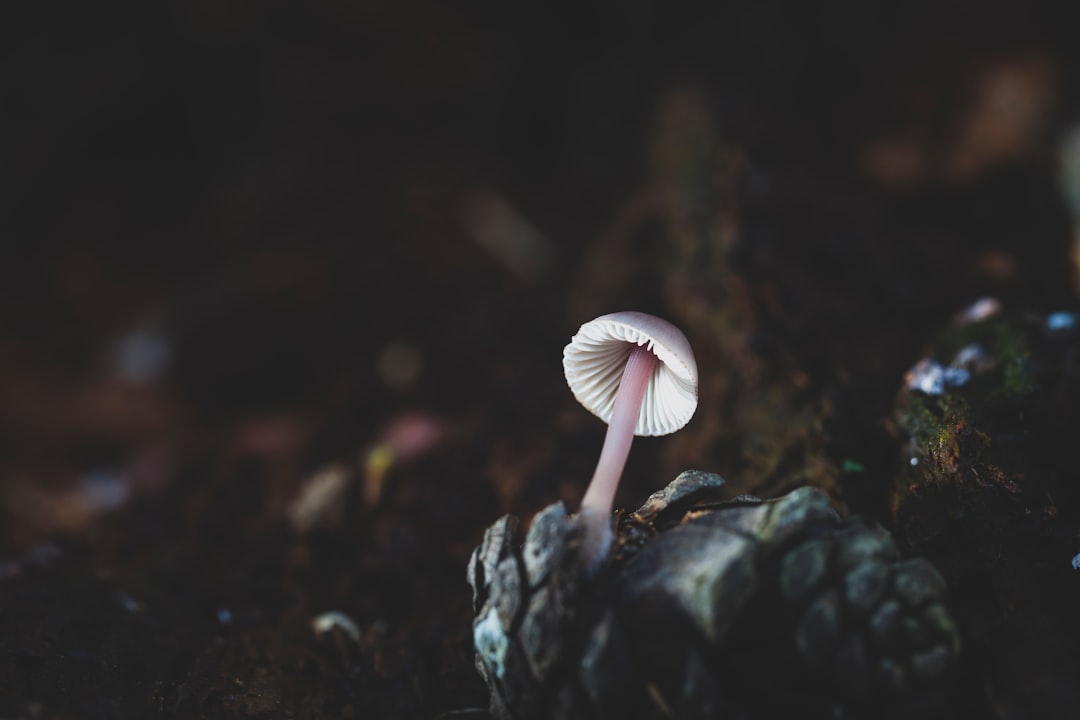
(708, 609)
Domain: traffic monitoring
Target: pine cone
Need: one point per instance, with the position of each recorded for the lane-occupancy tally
(871, 622)
(704, 611)
(545, 647)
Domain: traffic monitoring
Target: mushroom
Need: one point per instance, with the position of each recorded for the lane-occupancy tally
(637, 373)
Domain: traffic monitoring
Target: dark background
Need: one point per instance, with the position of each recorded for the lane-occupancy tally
(245, 242)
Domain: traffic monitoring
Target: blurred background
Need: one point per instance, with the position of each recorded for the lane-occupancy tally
(286, 286)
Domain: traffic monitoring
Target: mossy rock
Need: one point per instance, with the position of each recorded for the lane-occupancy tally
(990, 492)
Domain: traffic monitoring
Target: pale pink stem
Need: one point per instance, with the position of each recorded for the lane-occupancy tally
(600, 496)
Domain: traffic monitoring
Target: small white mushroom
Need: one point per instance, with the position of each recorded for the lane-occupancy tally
(637, 373)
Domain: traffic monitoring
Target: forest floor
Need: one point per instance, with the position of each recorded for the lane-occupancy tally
(285, 297)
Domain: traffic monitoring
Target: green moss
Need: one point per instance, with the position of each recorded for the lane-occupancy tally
(1007, 342)
(1012, 349)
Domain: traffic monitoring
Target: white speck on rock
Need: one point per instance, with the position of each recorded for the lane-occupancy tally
(930, 377)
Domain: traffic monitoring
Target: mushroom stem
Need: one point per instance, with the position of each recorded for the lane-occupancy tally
(600, 496)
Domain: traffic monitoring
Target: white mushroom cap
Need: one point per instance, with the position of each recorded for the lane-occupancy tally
(595, 358)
